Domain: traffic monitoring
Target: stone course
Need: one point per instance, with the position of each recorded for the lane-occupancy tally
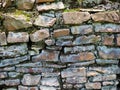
(51, 45)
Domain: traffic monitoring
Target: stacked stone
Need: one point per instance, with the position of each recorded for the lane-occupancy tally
(43, 47)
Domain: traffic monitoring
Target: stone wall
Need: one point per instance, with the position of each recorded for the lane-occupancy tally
(44, 45)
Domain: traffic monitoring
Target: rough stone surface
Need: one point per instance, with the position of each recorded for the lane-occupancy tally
(3, 40)
(118, 39)
(39, 35)
(14, 22)
(44, 21)
(108, 40)
(41, 1)
(61, 32)
(111, 16)
(17, 37)
(3, 75)
(109, 53)
(22, 88)
(83, 29)
(47, 56)
(12, 82)
(31, 79)
(47, 88)
(96, 85)
(75, 17)
(25, 4)
(53, 6)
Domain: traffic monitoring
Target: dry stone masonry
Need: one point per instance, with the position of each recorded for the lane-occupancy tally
(45, 45)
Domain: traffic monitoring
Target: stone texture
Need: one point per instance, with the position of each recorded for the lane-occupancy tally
(33, 88)
(109, 53)
(31, 79)
(113, 28)
(47, 88)
(6, 3)
(46, 56)
(3, 40)
(83, 29)
(13, 74)
(22, 88)
(96, 85)
(50, 42)
(118, 39)
(52, 6)
(17, 37)
(110, 16)
(3, 75)
(72, 72)
(92, 73)
(83, 56)
(12, 82)
(105, 83)
(61, 32)
(44, 21)
(10, 89)
(75, 17)
(39, 35)
(41, 1)
(50, 81)
(86, 40)
(108, 40)
(13, 50)
(14, 21)
(25, 4)
(64, 42)
(109, 77)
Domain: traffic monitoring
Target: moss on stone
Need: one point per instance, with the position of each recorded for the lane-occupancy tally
(72, 10)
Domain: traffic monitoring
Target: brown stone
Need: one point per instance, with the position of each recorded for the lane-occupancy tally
(3, 75)
(118, 39)
(92, 86)
(41, 1)
(17, 37)
(33, 88)
(39, 35)
(25, 4)
(46, 56)
(3, 40)
(6, 3)
(108, 40)
(61, 32)
(110, 16)
(75, 17)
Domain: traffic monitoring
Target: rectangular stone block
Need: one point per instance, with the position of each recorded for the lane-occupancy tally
(108, 40)
(3, 39)
(12, 82)
(96, 85)
(75, 17)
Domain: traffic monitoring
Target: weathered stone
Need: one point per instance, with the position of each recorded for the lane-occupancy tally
(74, 80)
(83, 29)
(96, 78)
(73, 72)
(46, 56)
(8, 62)
(86, 39)
(92, 73)
(41, 1)
(17, 37)
(111, 16)
(2, 82)
(47, 88)
(66, 38)
(3, 75)
(95, 85)
(103, 62)
(109, 53)
(108, 40)
(13, 74)
(61, 32)
(6, 3)
(50, 42)
(53, 81)
(22, 88)
(57, 48)
(30, 64)
(13, 50)
(12, 82)
(14, 21)
(52, 6)
(105, 83)
(39, 35)
(44, 21)
(109, 88)
(113, 28)
(75, 17)
(33, 88)
(118, 39)
(25, 4)
(31, 79)
(50, 74)
(10, 89)
(109, 77)
(64, 43)
(3, 40)
(83, 56)
(7, 69)
(77, 49)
